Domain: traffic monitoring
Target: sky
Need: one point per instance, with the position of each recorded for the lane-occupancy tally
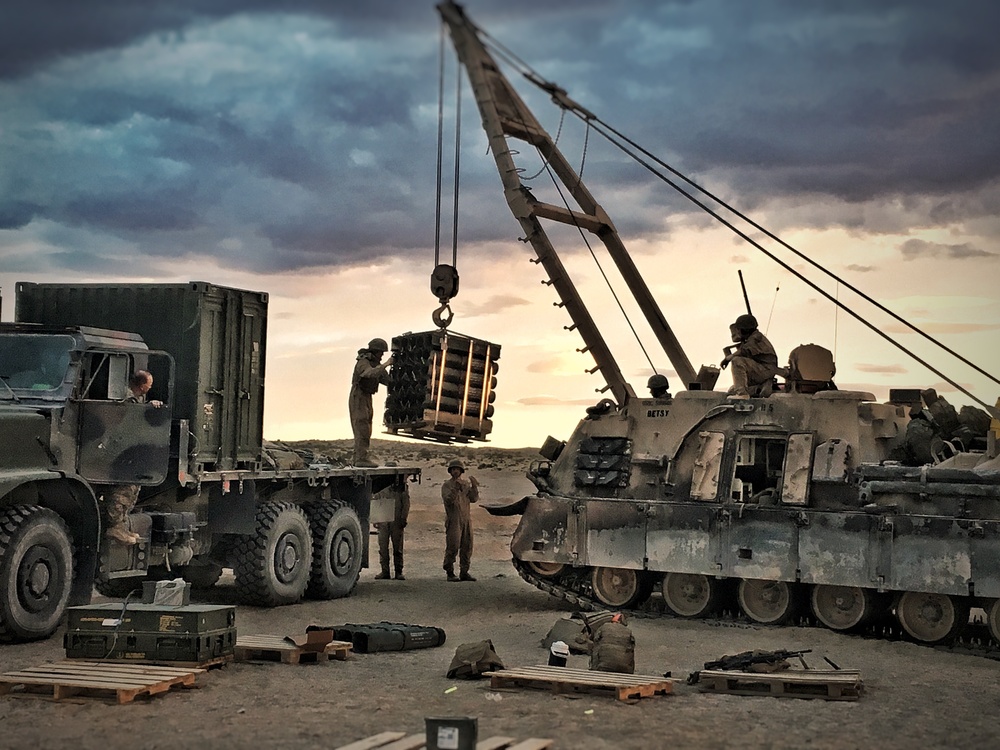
(290, 146)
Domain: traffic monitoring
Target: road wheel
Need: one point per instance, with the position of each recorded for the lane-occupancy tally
(337, 550)
(546, 569)
(931, 618)
(993, 619)
(842, 607)
(620, 588)
(767, 602)
(690, 595)
(272, 566)
(36, 572)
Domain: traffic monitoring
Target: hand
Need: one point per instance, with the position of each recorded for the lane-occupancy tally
(156, 404)
(389, 361)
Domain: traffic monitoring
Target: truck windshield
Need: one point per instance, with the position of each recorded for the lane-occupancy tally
(32, 364)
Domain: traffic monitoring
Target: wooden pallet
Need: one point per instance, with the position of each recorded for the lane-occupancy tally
(213, 663)
(566, 680)
(276, 648)
(120, 681)
(404, 741)
(825, 684)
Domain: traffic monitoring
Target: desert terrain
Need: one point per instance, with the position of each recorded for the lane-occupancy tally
(914, 696)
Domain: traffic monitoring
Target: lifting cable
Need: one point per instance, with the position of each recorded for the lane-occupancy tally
(444, 278)
(607, 130)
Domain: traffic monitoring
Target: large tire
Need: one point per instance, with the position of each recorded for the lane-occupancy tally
(36, 572)
(202, 572)
(338, 549)
(272, 566)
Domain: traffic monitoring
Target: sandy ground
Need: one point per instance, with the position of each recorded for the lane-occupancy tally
(915, 696)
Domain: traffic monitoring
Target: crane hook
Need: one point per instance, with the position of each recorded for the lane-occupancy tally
(438, 315)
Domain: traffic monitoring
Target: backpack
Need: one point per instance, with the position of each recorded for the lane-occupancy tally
(472, 659)
(614, 649)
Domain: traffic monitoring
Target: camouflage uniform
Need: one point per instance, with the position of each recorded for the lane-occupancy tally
(393, 532)
(754, 363)
(457, 495)
(120, 499)
(365, 381)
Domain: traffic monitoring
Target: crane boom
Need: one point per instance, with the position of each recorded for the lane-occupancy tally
(504, 115)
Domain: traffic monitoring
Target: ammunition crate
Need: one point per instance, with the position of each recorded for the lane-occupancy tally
(149, 632)
(442, 386)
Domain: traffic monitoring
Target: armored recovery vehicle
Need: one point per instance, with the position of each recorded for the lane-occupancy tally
(212, 492)
(803, 493)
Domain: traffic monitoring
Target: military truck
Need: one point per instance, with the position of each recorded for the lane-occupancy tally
(212, 494)
(802, 495)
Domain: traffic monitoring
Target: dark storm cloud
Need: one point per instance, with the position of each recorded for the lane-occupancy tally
(285, 135)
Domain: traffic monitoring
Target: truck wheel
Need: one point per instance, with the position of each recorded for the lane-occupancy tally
(36, 572)
(272, 566)
(337, 551)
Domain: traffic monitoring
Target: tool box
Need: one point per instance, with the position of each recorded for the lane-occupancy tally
(151, 632)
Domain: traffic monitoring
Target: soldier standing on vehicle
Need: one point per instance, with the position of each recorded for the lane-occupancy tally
(753, 358)
(392, 531)
(457, 493)
(369, 372)
(119, 499)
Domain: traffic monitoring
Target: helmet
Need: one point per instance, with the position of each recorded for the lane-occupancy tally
(378, 345)
(746, 323)
(456, 464)
(657, 381)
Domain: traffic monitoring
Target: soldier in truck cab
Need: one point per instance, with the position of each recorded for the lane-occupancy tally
(754, 360)
(659, 386)
(119, 499)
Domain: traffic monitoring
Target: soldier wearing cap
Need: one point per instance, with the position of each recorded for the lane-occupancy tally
(754, 360)
(457, 493)
(369, 372)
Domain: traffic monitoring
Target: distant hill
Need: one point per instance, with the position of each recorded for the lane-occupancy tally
(478, 456)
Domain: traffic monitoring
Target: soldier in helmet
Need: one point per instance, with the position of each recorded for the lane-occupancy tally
(659, 386)
(457, 493)
(369, 372)
(753, 358)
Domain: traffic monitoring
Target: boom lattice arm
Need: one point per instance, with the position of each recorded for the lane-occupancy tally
(505, 115)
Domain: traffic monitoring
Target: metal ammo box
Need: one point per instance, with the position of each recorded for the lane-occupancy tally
(151, 632)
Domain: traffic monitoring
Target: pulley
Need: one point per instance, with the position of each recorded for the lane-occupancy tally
(444, 285)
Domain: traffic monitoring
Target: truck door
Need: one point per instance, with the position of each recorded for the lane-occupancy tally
(122, 442)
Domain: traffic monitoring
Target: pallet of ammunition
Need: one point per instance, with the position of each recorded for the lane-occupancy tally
(442, 386)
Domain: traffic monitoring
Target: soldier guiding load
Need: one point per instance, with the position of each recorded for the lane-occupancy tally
(369, 373)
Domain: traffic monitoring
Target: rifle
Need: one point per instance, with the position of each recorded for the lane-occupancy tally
(753, 661)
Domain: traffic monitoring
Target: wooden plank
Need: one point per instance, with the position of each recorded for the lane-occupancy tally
(377, 740)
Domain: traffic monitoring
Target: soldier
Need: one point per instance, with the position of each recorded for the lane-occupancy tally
(392, 531)
(754, 360)
(119, 499)
(457, 493)
(369, 372)
(659, 386)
